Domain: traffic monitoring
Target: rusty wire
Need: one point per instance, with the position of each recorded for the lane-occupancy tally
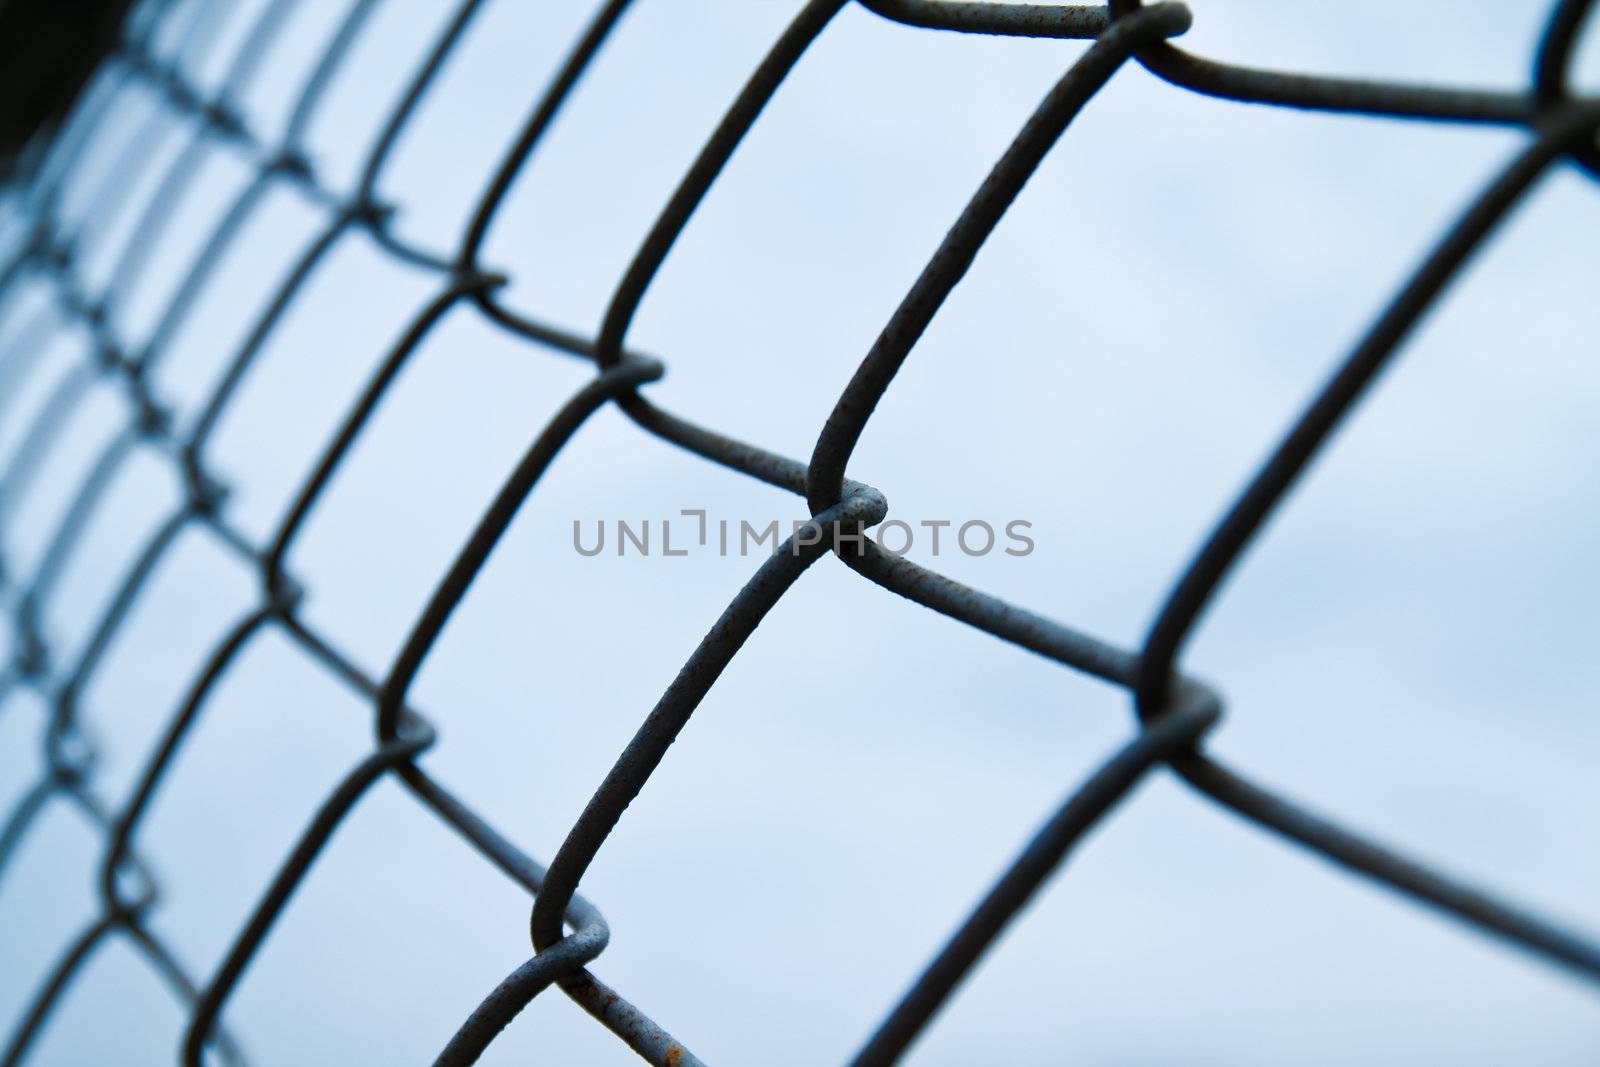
(1173, 711)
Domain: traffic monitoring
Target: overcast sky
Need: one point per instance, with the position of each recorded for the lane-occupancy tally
(1409, 648)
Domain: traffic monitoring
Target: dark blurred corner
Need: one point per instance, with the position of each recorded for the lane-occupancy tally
(48, 50)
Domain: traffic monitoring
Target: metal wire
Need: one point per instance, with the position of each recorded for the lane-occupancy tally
(1173, 712)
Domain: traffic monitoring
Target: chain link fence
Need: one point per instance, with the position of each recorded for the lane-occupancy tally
(1173, 712)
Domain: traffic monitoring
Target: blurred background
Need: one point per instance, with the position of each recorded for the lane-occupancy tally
(1410, 647)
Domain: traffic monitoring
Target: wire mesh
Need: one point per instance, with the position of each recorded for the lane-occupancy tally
(1174, 712)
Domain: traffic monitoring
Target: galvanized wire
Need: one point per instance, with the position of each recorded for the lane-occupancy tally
(1173, 713)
